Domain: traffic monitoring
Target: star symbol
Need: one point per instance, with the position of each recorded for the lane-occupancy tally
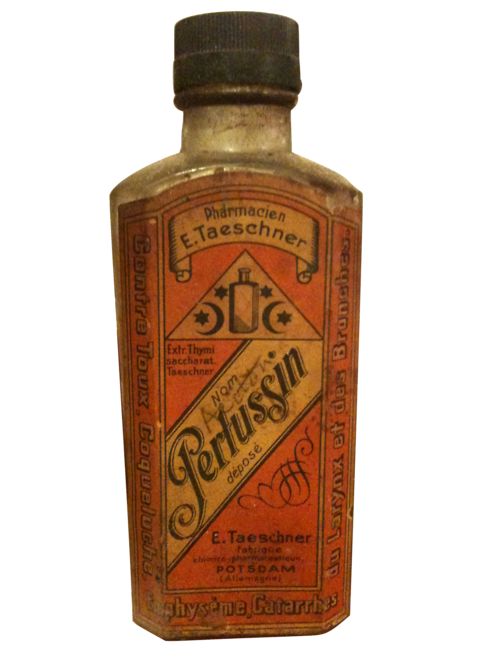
(221, 292)
(266, 291)
(201, 317)
(284, 317)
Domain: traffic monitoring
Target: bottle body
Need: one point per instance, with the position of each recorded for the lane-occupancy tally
(237, 285)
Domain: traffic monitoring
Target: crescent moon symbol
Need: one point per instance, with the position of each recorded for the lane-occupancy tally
(266, 316)
(219, 319)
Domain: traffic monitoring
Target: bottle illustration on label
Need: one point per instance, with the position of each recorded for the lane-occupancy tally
(237, 276)
(243, 304)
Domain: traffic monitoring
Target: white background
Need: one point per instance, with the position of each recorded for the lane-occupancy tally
(403, 99)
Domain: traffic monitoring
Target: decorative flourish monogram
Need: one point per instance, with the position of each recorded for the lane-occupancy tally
(289, 484)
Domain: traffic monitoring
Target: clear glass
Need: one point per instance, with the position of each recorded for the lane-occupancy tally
(234, 137)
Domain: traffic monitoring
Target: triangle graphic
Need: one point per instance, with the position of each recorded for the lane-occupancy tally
(244, 303)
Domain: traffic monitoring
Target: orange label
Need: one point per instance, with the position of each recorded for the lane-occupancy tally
(241, 307)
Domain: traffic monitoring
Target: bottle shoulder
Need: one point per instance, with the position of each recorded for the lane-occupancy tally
(150, 179)
(322, 177)
(170, 171)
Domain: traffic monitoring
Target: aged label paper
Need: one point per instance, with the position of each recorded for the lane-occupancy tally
(240, 295)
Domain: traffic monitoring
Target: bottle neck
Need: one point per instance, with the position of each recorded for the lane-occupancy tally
(237, 128)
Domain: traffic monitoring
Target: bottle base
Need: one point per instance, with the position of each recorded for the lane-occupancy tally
(239, 631)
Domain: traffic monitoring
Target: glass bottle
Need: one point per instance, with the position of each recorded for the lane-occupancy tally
(238, 395)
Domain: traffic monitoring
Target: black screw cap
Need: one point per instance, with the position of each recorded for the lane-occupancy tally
(239, 48)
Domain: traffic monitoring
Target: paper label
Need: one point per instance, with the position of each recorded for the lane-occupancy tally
(240, 295)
